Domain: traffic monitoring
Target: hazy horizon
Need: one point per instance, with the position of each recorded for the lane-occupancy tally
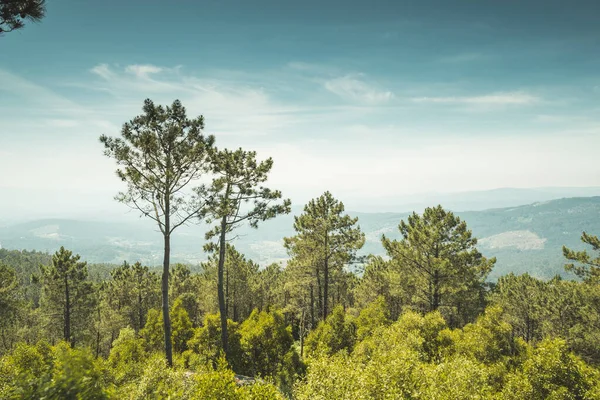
(104, 207)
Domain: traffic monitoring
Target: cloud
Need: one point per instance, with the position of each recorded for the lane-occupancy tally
(231, 105)
(357, 149)
(58, 110)
(352, 88)
(103, 71)
(142, 71)
(494, 99)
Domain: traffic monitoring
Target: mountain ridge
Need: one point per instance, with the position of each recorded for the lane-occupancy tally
(525, 238)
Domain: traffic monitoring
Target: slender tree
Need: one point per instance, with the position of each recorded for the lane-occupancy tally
(328, 238)
(237, 196)
(160, 154)
(13, 13)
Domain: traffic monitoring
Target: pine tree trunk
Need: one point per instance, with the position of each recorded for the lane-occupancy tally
(67, 327)
(436, 291)
(227, 302)
(165, 294)
(98, 332)
(140, 308)
(326, 278)
(312, 307)
(319, 293)
(302, 323)
(221, 292)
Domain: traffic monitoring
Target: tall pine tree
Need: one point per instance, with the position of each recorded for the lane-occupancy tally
(160, 154)
(237, 196)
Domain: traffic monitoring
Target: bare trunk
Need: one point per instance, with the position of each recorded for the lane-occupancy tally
(140, 307)
(221, 292)
(98, 332)
(67, 327)
(302, 323)
(326, 277)
(436, 291)
(312, 307)
(319, 292)
(165, 294)
(227, 302)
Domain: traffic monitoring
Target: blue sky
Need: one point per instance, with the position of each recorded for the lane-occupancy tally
(371, 100)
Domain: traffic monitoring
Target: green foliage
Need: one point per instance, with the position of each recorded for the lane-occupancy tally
(182, 326)
(217, 384)
(67, 300)
(332, 335)
(440, 265)
(371, 317)
(265, 341)
(57, 372)
(379, 278)
(14, 13)
(206, 343)
(127, 356)
(457, 378)
(160, 153)
(153, 331)
(10, 303)
(550, 372)
(488, 340)
(157, 381)
(326, 240)
(586, 266)
(131, 292)
(537, 309)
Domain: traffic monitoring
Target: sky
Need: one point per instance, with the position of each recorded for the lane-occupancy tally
(371, 99)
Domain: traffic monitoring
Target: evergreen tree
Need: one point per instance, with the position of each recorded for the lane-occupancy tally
(67, 296)
(132, 291)
(160, 154)
(236, 197)
(326, 240)
(438, 259)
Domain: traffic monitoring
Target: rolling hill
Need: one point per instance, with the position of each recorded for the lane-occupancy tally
(526, 238)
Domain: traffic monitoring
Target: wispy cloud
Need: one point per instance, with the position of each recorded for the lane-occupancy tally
(59, 111)
(142, 71)
(353, 88)
(494, 99)
(232, 106)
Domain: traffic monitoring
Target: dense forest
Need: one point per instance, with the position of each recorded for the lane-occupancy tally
(421, 322)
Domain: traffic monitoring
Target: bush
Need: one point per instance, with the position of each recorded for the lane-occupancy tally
(58, 372)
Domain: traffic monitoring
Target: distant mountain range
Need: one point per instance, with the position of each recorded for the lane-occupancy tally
(525, 238)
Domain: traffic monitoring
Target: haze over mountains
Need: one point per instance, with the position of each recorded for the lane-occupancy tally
(524, 238)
